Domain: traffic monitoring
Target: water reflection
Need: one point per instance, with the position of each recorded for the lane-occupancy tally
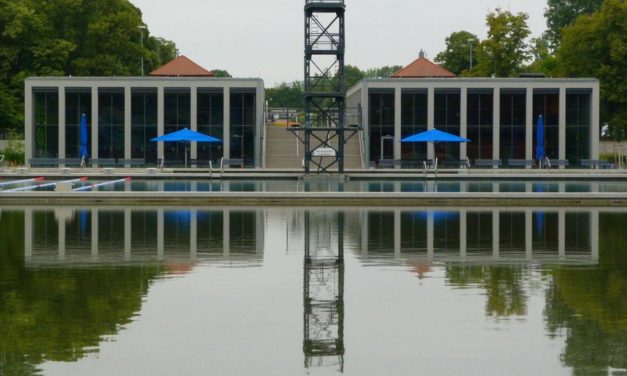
(323, 290)
(72, 277)
(119, 236)
(482, 235)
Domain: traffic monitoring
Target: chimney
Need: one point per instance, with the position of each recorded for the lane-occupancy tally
(421, 55)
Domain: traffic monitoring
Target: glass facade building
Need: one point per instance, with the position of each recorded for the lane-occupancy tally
(498, 115)
(125, 114)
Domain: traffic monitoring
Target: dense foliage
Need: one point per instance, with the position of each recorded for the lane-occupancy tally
(596, 46)
(457, 55)
(71, 37)
(561, 13)
(585, 38)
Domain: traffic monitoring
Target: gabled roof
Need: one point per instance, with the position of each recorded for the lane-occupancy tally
(423, 68)
(181, 67)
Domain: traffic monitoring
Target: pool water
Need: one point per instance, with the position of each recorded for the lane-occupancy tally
(302, 291)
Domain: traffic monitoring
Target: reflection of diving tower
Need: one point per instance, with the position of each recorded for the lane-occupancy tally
(323, 291)
(323, 132)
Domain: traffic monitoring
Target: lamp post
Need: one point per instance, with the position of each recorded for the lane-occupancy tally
(470, 41)
(141, 41)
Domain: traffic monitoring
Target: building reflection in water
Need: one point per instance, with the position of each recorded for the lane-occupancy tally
(323, 289)
(482, 234)
(177, 237)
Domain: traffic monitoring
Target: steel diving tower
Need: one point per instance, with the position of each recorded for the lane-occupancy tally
(323, 131)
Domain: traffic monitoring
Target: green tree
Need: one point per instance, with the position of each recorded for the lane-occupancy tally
(543, 60)
(505, 51)
(382, 72)
(561, 13)
(595, 46)
(221, 73)
(456, 57)
(288, 95)
(69, 37)
(352, 75)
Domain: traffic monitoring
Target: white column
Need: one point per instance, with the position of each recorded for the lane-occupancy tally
(430, 119)
(193, 235)
(365, 118)
(226, 233)
(595, 123)
(561, 234)
(127, 234)
(261, 232)
(397, 233)
(463, 237)
(529, 126)
(226, 140)
(430, 246)
(496, 124)
(463, 122)
(61, 234)
(28, 234)
(29, 124)
(364, 233)
(61, 122)
(562, 125)
(594, 234)
(94, 123)
(528, 234)
(496, 235)
(193, 106)
(160, 235)
(94, 233)
(160, 119)
(127, 123)
(397, 123)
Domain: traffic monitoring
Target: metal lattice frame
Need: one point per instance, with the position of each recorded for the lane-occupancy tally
(325, 99)
(323, 295)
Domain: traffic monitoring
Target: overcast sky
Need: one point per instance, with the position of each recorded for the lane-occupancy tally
(264, 38)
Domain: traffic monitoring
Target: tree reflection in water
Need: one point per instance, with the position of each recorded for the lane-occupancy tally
(59, 314)
(591, 305)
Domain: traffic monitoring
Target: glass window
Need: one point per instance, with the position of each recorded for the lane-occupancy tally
(577, 126)
(513, 123)
(381, 128)
(144, 124)
(480, 130)
(243, 113)
(46, 132)
(546, 103)
(111, 123)
(447, 119)
(211, 122)
(177, 109)
(77, 103)
(413, 120)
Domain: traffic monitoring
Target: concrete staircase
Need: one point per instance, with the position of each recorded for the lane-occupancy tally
(284, 150)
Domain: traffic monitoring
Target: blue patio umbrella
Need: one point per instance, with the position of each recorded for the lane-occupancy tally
(186, 136)
(540, 141)
(434, 135)
(84, 137)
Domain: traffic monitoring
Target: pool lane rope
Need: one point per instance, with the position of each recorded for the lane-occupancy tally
(15, 182)
(92, 186)
(45, 185)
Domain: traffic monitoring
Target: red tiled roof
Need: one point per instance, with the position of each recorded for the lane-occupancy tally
(181, 67)
(421, 68)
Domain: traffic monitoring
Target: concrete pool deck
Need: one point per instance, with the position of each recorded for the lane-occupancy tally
(349, 199)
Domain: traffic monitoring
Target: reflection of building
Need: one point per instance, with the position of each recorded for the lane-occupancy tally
(124, 113)
(499, 116)
(483, 235)
(323, 290)
(130, 235)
